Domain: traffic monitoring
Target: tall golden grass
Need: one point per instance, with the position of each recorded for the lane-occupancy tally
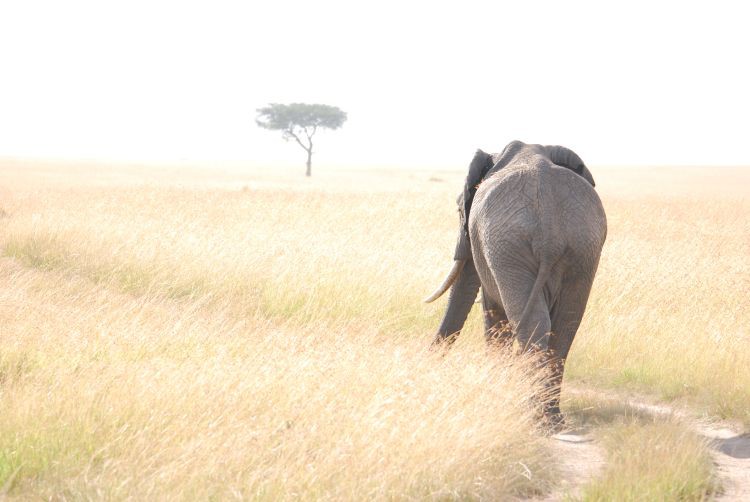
(262, 336)
(109, 395)
(647, 455)
(670, 312)
(163, 343)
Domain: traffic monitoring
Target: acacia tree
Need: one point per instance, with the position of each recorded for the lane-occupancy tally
(300, 121)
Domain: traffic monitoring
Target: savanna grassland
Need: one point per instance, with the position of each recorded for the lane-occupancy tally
(194, 333)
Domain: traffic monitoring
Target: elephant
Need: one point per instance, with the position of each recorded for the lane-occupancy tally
(531, 232)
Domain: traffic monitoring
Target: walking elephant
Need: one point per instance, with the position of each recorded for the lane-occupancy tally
(531, 231)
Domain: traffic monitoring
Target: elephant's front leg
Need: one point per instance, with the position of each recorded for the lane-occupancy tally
(461, 299)
(497, 331)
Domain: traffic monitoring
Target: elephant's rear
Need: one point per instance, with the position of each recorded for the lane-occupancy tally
(537, 213)
(536, 229)
(577, 216)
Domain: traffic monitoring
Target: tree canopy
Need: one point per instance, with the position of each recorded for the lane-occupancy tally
(300, 121)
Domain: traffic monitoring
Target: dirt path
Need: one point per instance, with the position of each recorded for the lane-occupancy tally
(731, 452)
(730, 449)
(581, 460)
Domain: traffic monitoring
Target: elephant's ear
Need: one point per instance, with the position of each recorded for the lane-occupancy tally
(478, 169)
(565, 157)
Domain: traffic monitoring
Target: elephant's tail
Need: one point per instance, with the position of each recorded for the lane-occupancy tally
(537, 291)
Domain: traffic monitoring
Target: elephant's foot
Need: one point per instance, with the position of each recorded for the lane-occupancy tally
(442, 343)
(500, 335)
(554, 422)
(552, 418)
(500, 345)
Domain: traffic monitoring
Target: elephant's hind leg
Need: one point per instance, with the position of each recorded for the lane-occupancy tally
(566, 318)
(515, 282)
(496, 328)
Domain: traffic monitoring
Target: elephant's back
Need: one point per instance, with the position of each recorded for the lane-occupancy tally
(539, 206)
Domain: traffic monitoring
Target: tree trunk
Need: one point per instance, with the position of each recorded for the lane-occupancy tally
(309, 163)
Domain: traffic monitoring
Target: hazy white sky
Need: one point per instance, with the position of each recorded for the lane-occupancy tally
(424, 83)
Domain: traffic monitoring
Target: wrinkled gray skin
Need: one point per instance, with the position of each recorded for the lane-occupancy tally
(530, 237)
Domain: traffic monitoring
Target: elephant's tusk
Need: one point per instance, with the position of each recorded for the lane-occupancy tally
(458, 265)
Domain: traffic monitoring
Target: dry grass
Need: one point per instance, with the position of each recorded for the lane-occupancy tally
(648, 456)
(179, 343)
(194, 338)
(656, 461)
(670, 312)
(322, 256)
(109, 395)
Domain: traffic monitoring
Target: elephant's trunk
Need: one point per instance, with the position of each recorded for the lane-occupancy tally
(448, 282)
